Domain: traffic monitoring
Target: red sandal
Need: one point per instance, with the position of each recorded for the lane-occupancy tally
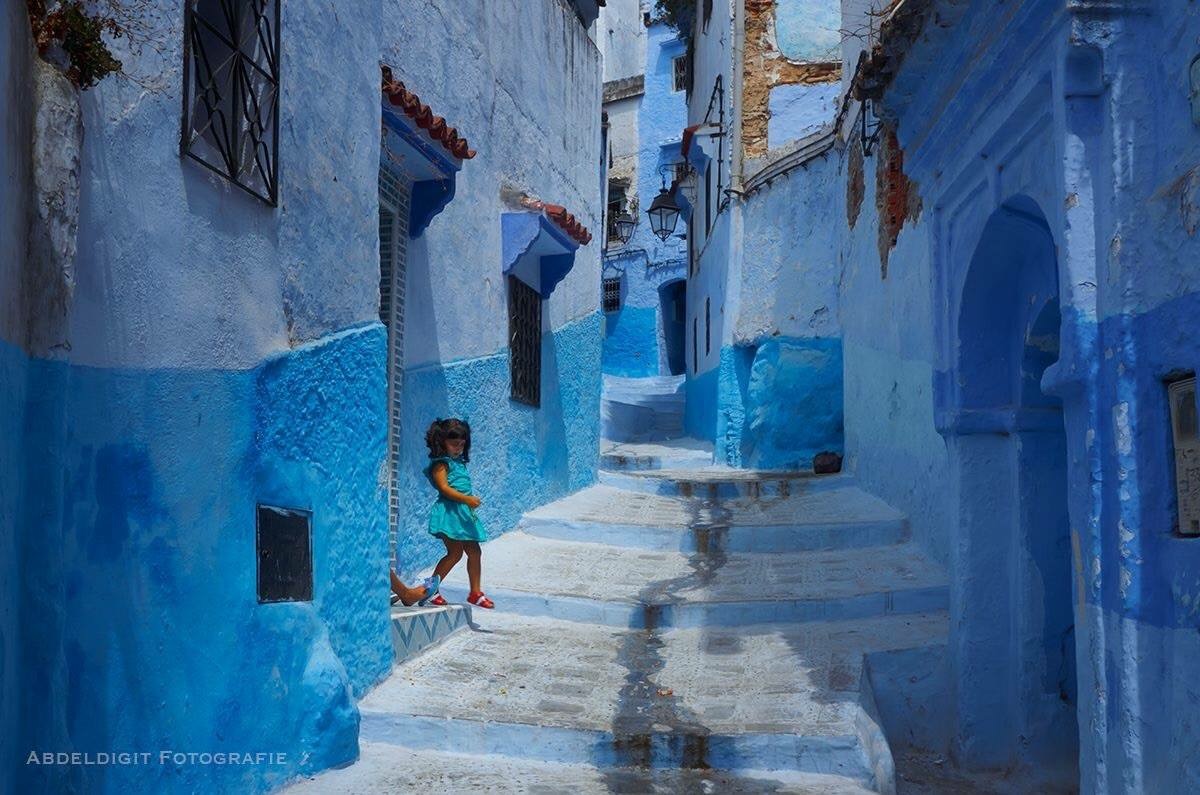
(479, 600)
(438, 601)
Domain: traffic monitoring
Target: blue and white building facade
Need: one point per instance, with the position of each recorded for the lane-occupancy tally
(209, 391)
(762, 287)
(645, 107)
(1007, 217)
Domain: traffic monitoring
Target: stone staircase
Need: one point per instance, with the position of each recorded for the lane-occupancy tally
(698, 629)
(642, 409)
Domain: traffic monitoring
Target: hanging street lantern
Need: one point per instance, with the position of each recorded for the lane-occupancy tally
(623, 225)
(664, 213)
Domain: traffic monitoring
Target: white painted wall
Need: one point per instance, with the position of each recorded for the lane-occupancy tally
(536, 130)
(621, 38)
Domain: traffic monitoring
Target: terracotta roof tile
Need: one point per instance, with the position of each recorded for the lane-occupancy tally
(562, 219)
(423, 116)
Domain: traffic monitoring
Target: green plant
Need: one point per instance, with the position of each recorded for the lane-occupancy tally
(679, 14)
(78, 31)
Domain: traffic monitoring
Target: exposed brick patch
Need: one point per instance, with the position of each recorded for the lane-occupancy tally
(765, 67)
(896, 197)
(856, 184)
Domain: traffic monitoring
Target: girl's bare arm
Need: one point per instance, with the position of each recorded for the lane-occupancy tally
(438, 475)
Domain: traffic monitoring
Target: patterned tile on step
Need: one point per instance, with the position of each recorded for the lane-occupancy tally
(417, 628)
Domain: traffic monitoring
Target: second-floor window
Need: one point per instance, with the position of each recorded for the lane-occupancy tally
(616, 206)
(525, 342)
(231, 91)
(679, 73)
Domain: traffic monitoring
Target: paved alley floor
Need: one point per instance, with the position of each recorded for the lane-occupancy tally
(673, 630)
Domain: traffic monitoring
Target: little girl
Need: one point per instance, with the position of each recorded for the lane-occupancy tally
(452, 518)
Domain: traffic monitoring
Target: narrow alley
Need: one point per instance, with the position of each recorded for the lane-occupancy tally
(638, 396)
(678, 627)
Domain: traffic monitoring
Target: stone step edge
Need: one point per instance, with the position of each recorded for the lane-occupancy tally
(737, 538)
(690, 615)
(710, 484)
(778, 754)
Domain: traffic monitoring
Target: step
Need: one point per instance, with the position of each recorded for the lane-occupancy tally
(633, 423)
(626, 587)
(681, 453)
(388, 768)
(721, 483)
(567, 693)
(831, 514)
(415, 629)
(653, 383)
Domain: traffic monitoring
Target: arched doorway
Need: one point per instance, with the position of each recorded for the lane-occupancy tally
(1012, 645)
(672, 298)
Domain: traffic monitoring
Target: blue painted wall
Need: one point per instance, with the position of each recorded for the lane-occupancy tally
(223, 352)
(13, 369)
(138, 552)
(809, 30)
(1112, 169)
(629, 341)
(16, 62)
(634, 342)
(800, 109)
(780, 402)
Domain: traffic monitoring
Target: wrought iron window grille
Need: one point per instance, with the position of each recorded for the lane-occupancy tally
(679, 75)
(525, 342)
(612, 293)
(231, 92)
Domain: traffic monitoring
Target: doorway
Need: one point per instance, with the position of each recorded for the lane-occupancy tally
(672, 298)
(1014, 642)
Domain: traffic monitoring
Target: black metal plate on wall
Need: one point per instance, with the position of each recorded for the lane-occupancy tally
(284, 545)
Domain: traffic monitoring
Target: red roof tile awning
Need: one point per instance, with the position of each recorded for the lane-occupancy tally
(422, 115)
(562, 219)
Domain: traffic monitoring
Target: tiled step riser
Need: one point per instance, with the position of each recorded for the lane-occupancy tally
(736, 539)
(765, 489)
(417, 630)
(778, 753)
(714, 614)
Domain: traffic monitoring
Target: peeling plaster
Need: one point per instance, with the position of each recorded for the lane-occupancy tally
(49, 279)
(766, 67)
(896, 196)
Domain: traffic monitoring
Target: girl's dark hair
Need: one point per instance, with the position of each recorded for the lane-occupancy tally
(441, 430)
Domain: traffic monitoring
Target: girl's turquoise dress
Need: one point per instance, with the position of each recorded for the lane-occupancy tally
(450, 518)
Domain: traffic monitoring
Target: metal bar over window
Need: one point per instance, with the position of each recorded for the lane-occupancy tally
(231, 92)
(525, 341)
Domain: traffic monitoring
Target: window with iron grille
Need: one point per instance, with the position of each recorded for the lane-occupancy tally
(612, 293)
(231, 91)
(616, 206)
(525, 342)
(679, 73)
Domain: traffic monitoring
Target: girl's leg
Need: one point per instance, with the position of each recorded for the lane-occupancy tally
(454, 553)
(408, 596)
(474, 567)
